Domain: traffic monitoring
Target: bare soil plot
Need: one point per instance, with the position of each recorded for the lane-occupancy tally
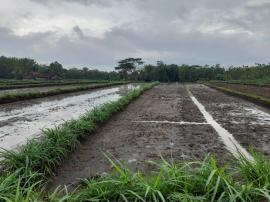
(263, 91)
(249, 123)
(133, 137)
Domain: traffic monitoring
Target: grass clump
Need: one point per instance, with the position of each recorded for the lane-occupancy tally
(257, 173)
(19, 186)
(197, 181)
(188, 181)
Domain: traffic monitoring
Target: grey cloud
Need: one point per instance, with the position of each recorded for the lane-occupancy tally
(78, 31)
(172, 31)
(83, 2)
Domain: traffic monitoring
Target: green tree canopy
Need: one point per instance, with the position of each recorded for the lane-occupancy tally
(129, 64)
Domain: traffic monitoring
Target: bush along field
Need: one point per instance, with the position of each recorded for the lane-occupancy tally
(13, 97)
(25, 172)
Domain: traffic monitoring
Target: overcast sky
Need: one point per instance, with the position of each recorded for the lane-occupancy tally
(97, 33)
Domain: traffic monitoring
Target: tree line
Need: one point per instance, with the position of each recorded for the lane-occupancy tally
(25, 68)
(130, 69)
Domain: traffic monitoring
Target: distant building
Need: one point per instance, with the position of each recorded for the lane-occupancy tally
(40, 76)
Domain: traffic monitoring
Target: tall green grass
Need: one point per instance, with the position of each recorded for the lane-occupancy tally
(188, 181)
(204, 181)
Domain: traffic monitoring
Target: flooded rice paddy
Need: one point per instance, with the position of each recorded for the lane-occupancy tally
(23, 120)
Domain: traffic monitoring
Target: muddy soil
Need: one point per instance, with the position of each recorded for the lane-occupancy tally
(40, 89)
(249, 123)
(263, 91)
(135, 142)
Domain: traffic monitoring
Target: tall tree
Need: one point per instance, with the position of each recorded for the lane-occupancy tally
(128, 65)
(56, 69)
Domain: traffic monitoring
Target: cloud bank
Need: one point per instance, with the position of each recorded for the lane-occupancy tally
(100, 32)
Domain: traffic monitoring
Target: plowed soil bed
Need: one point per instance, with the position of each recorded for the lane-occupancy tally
(257, 90)
(131, 139)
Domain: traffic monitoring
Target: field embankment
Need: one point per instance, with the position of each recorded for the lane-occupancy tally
(41, 89)
(13, 97)
(5, 85)
(257, 94)
(255, 82)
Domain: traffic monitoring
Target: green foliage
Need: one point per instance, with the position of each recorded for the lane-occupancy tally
(128, 69)
(25, 68)
(188, 181)
(183, 73)
(19, 186)
(129, 64)
(257, 173)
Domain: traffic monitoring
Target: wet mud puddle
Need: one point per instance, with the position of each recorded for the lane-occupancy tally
(19, 123)
(227, 138)
(255, 116)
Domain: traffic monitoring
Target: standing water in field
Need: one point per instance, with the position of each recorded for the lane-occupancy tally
(23, 120)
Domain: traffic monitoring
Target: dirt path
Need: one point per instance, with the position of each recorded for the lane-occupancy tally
(135, 142)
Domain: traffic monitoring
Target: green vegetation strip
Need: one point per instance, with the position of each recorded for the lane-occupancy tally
(25, 171)
(248, 96)
(13, 97)
(188, 181)
(253, 82)
(11, 85)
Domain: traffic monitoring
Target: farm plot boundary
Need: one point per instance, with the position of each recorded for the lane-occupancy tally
(262, 101)
(18, 85)
(14, 97)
